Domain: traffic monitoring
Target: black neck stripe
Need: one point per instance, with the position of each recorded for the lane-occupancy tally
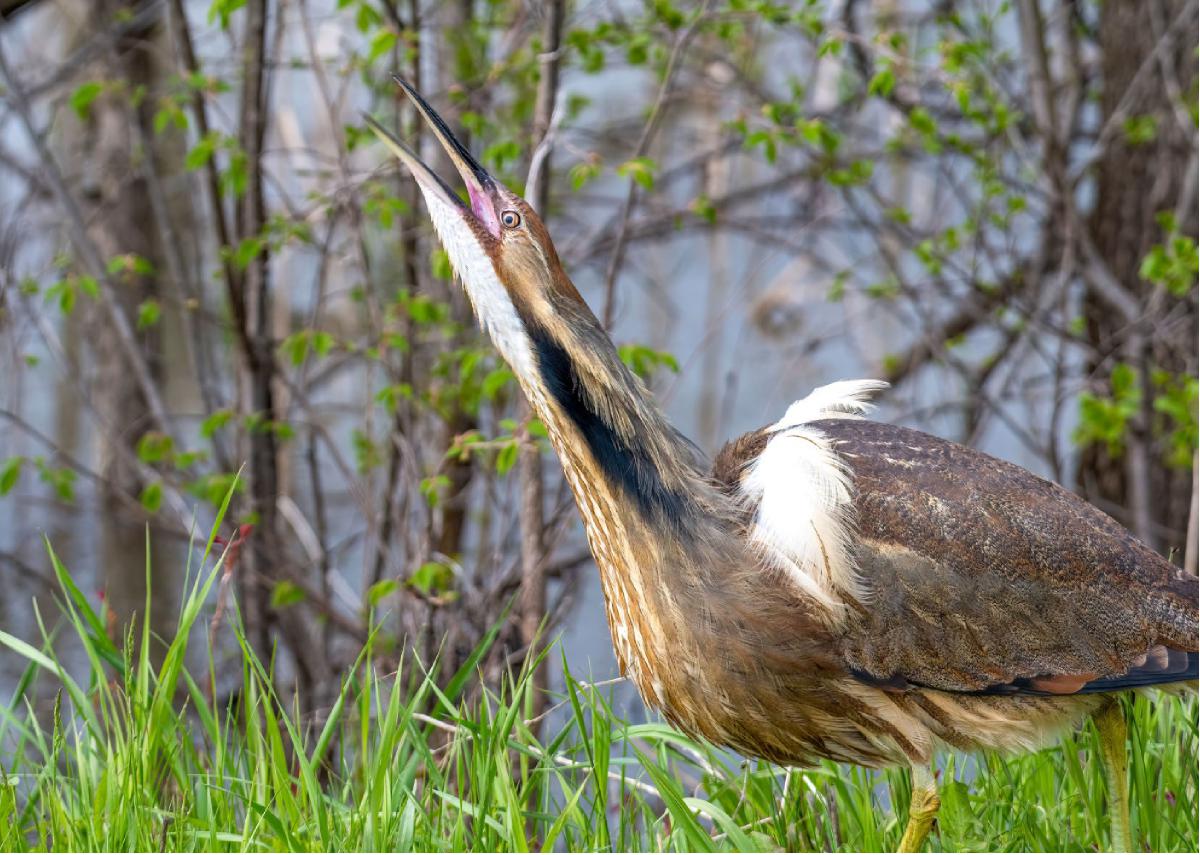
(626, 466)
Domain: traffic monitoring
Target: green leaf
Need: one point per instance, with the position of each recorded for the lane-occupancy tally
(384, 588)
(591, 54)
(201, 153)
(186, 459)
(830, 47)
(703, 208)
(638, 49)
(1124, 380)
(496, 380)
(506, 457)
(10, 472)
(123, 263)
(431, 488)
(215, 422)
(887, 289)
(882, 83)
(64, 292)
(583, 172)
(296, 347)
(215, 487)
(61, 479)
(154, 447)
(170, 115)
(1173, 264)
(640, 169)
(366, 17)
(766, 140)
(837, 288)
(286, 594)
(1105, 419)
(84, 95)
(381, 203)
(1176, 400)
(88, 285)
(367, 453)
(432, 577)
(247, 250)
(152, 496)
(440, 264)
(859, 172)
(1140, 130)
(148, 313)
(391, 395)
(922, 121)
(222, 10)
(234, 178)
(322, 342)
(381, 43)
(644, 361)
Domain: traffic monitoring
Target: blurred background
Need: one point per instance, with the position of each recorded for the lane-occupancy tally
(209, 267)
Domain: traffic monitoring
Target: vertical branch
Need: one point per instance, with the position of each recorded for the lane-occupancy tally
(717, 174)
(322, 525)
(537, 186)
(270, 563)
(1190, 548)
(402, 418)
(212, 179)
(532, 522)
(248, 292)
(457, 22)
(1137, 446)
(249, 221)
(533, 552)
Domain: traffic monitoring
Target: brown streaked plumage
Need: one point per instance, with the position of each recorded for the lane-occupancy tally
(831, 587)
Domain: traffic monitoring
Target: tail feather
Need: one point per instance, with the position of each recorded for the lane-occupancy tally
(1164, 665)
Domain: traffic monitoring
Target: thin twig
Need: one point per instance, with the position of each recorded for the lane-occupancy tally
(212, 178)
(1191, 552)
(618, 254)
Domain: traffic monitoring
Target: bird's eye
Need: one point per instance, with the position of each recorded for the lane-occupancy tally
(510, 219)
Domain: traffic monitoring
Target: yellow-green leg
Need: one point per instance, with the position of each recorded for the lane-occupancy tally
(1110, 722)
(922, 811)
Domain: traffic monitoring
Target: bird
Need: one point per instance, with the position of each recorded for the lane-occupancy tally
(827, 586)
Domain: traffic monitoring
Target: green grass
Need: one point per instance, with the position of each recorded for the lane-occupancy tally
(137, 756)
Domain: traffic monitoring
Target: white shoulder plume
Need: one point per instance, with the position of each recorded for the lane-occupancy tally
(843, 399)
(803, 494)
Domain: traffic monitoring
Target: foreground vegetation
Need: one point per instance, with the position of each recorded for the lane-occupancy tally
(137, 755)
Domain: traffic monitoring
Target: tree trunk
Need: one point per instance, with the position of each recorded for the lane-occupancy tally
(1135, 182)
(121, 224)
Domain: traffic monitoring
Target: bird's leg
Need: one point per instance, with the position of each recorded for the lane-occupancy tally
(922, 810)
(1110, 723)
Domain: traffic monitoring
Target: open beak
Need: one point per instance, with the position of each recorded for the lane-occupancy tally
(481, 187)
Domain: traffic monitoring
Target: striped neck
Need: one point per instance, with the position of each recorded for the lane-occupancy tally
(608, 424)
(647, 507)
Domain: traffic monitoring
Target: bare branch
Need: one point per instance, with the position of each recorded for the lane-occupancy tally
(643, 145)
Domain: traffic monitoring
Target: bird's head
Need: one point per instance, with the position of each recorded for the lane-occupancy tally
(495, 241)
(590, 402)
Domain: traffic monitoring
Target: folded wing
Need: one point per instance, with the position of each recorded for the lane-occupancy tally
(978, 576)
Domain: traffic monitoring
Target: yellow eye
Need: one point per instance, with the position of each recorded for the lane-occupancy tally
(510, 219)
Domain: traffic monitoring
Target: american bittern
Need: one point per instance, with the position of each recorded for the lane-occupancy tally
(830, 587)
